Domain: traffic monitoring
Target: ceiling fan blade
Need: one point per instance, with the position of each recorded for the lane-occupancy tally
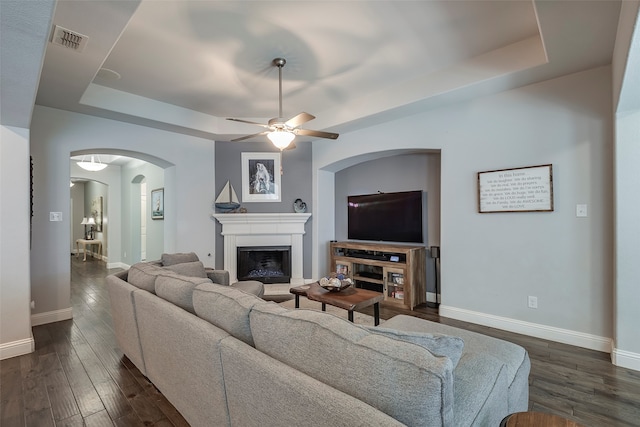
(301, 118)
(242, 138)
(307, 132)
(247, 121)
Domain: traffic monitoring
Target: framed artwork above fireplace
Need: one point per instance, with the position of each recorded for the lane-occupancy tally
(261, 177)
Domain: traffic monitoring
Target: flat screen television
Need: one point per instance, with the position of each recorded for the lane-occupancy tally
(387, 217)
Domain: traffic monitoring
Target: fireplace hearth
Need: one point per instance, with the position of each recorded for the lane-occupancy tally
(267, 264)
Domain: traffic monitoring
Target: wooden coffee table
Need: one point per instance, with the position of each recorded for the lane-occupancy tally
(536, 419)
(349, 299)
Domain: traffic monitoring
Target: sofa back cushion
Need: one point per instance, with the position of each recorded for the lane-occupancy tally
(226, 307)
(178, 289)
(178, 258)
(143, 275)
(191, 269)
(385, 373)
(438, 344)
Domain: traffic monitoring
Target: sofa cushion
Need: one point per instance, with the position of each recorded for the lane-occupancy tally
(371, 367)
(250, 286)
(178, 289)
(512, 355)
(190, 269)
(438, 344)
(143, 275)
(221, 277)
(178, 258)
(227, 308)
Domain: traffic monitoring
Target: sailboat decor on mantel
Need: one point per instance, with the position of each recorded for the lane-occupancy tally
(227, 200)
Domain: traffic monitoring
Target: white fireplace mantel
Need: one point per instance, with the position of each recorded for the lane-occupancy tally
(263, 229)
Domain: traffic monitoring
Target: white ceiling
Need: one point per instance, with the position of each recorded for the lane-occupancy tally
(187, 65)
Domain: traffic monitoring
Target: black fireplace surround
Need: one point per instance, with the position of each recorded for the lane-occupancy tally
(267, 264)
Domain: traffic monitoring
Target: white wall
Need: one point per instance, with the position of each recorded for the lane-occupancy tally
(189, 193)
(15, 322)
(492, 262)
(626, 79)
(627, 185)
(154, 178)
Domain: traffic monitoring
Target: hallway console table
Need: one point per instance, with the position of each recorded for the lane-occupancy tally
(84, 243)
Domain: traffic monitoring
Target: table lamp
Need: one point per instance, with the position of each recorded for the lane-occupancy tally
(91, 221)
(84, 222)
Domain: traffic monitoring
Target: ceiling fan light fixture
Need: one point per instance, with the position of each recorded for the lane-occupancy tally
(281, 138)
(92, 166)
(282, 131)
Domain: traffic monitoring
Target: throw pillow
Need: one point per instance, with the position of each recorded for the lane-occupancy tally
(178, 258)
(191, 269)
(438, 344)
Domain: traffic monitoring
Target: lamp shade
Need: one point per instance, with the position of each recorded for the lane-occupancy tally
(92, 166)
(281, 138)
(84, 221)
(91, 221)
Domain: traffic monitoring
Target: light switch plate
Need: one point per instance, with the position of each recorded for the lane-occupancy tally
(581, 211)
(55, 216)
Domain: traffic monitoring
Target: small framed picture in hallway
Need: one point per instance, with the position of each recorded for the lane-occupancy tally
(157, 203)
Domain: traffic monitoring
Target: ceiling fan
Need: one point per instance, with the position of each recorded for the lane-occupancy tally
(282, 131)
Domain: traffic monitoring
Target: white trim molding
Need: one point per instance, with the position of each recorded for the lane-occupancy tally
(625, 359)
(17, 348)
(550, 333)
(121, 265)
(51, 316)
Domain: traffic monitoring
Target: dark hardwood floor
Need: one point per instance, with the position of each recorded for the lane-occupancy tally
(78, 376)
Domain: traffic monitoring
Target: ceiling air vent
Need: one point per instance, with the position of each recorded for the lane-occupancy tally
(69, 39)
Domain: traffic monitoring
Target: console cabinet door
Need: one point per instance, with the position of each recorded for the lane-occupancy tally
(395, 290)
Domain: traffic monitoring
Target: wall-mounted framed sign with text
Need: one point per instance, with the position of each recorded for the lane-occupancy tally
(527, 189)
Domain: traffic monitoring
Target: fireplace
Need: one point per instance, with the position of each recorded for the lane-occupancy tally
(267, 264)
(263, 230)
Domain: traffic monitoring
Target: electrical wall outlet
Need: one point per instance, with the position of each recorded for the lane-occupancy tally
(581, 211)
(533, 302)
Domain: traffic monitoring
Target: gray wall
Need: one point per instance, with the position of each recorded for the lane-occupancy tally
(189, 191)
(77, 197)
(296, 183)
(93, 190)
(492, 262)
(408, 172)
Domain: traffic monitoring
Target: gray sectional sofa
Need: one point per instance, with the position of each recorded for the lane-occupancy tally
(225, 357)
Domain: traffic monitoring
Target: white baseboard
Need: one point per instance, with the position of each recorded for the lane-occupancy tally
(17, 348)
(625, 359)
(51, 316)
(433, 297)
(121, 265)
(579, 339)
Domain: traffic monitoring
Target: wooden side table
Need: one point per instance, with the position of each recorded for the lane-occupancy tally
(536, 419)
(84, 243)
